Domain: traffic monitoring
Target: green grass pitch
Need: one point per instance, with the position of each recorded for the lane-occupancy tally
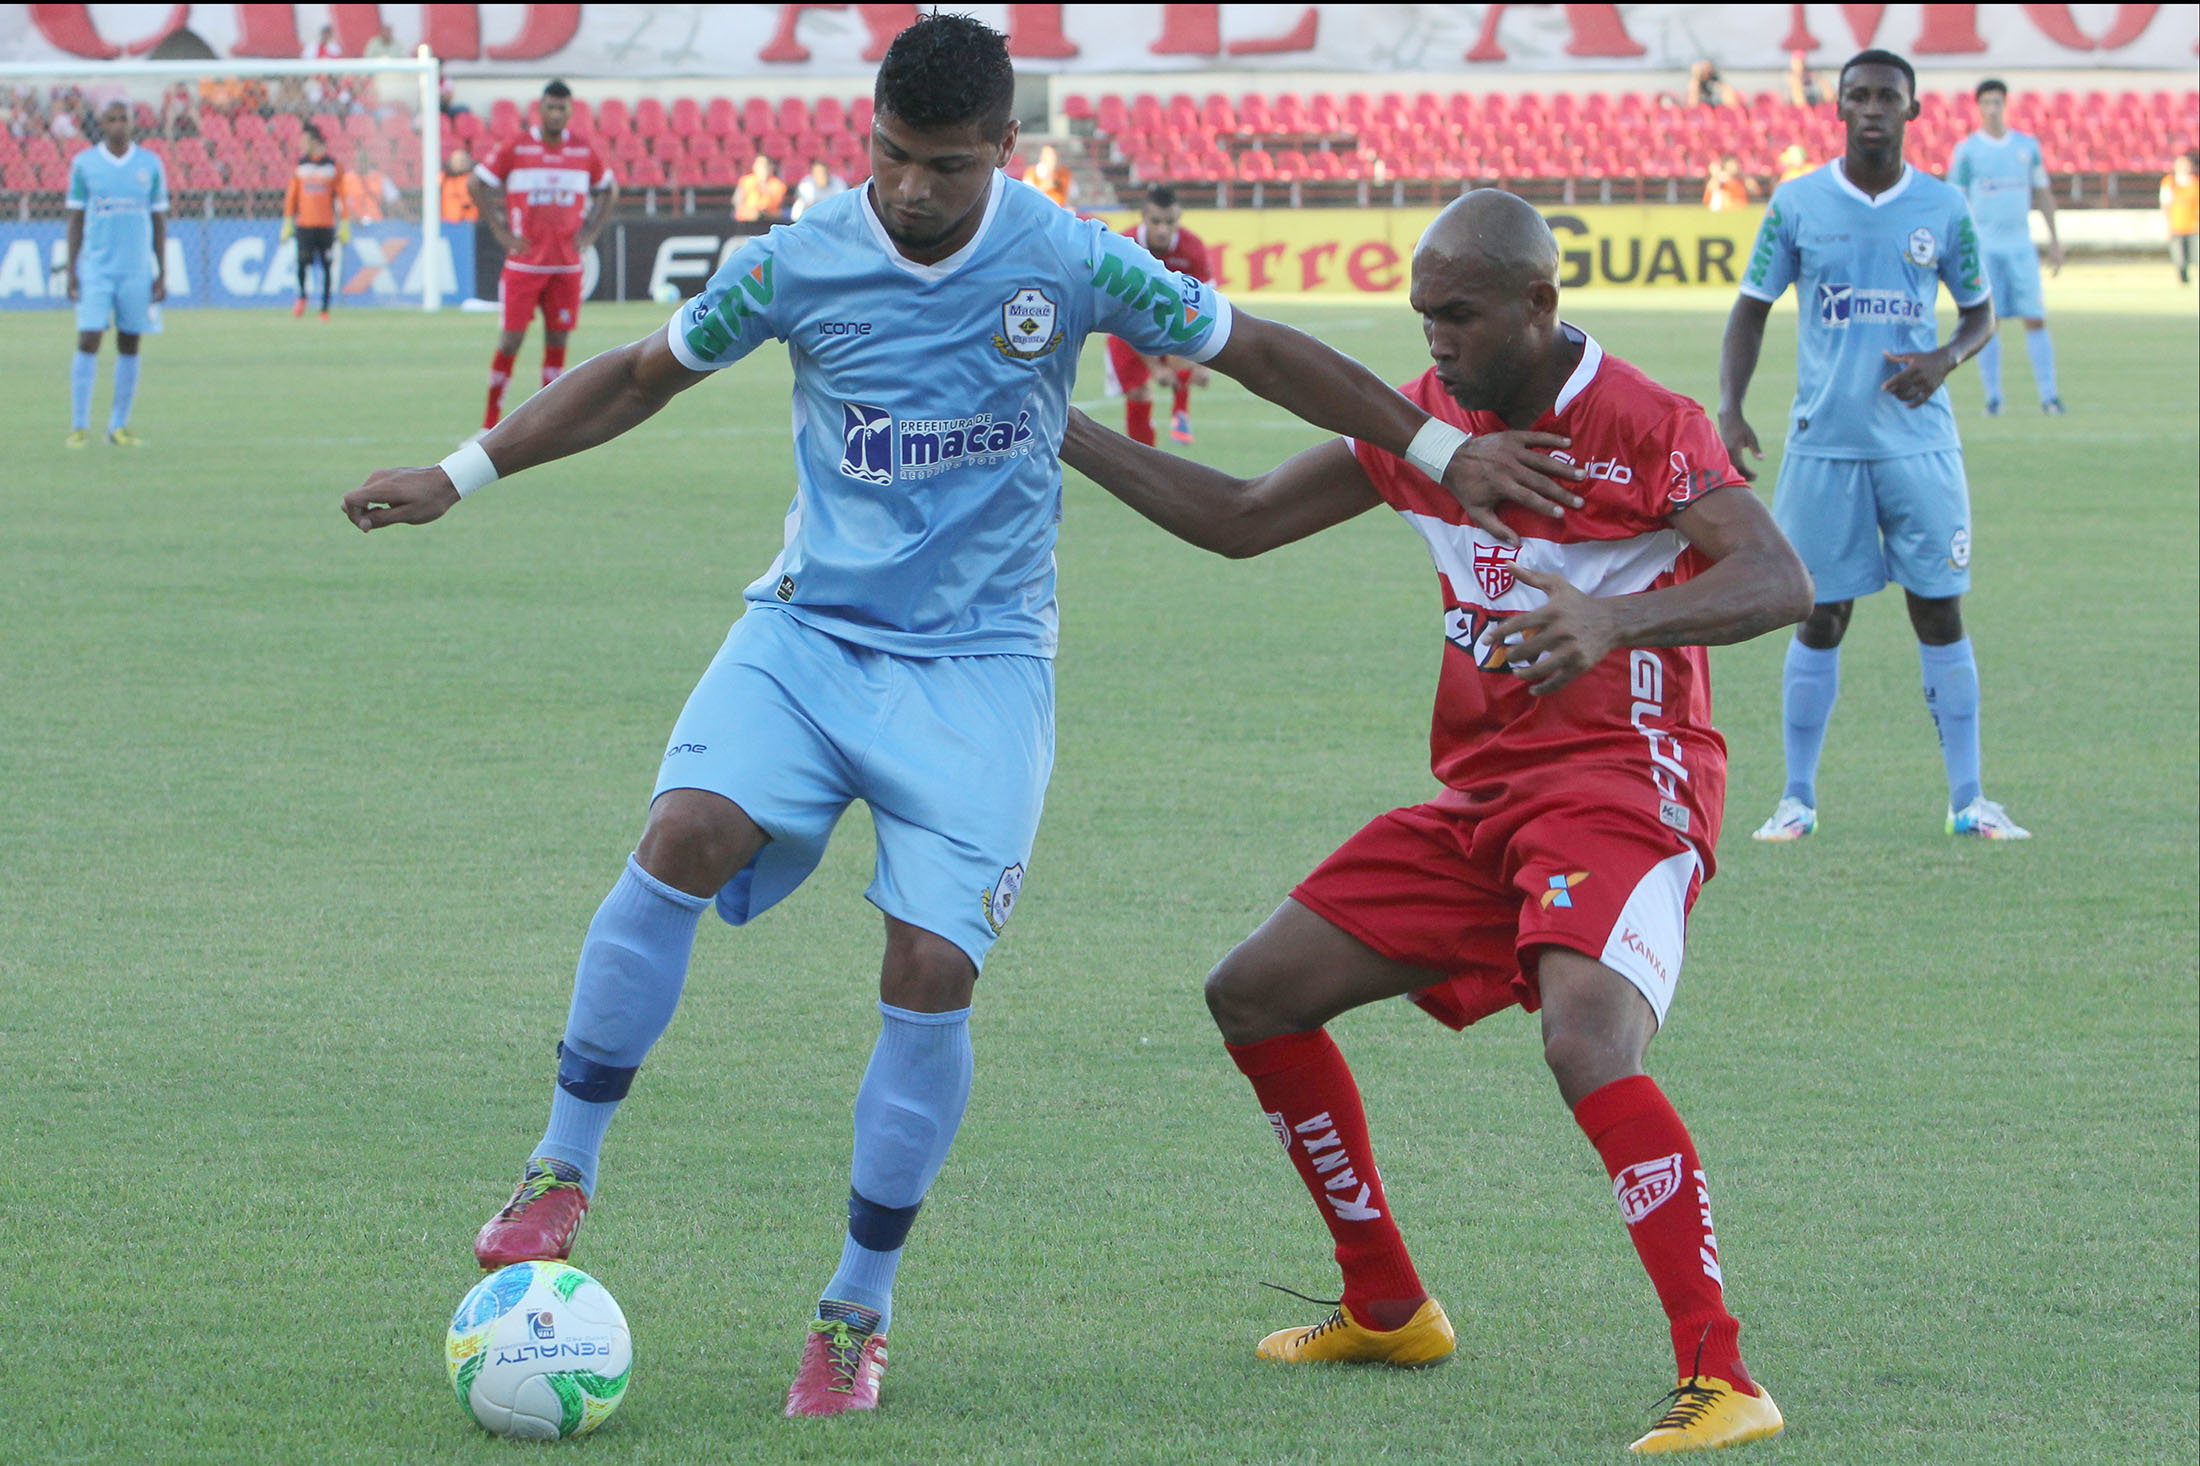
(299, 831)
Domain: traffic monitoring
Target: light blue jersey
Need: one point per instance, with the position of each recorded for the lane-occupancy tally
(1867, 273)
(119, 197)
(1998, 176)
(929, 407)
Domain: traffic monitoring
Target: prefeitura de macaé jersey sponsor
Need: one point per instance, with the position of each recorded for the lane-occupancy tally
(119, 197)
(1633, 732)
(546, 194)
(929, 407)
(1867, 272)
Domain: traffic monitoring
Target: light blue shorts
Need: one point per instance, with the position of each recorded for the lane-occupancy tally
(2014, 277)
(952, 755)
(125, 303)
(1861, 522)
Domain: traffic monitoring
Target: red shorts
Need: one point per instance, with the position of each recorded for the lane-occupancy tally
(1127, 369)
(525, 291)
(1469, 893)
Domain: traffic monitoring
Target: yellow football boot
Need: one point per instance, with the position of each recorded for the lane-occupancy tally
(78, 439)
(1709, 1414)
(1426, 1338)
(124, 438)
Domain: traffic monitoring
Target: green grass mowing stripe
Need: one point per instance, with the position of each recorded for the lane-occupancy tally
(303, 828)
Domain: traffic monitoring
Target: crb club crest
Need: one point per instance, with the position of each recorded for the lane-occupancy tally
(1028, 331)
(1645, 1186)
(1493, 568)
(1001, 900)
(866, 443)
(1922, 249)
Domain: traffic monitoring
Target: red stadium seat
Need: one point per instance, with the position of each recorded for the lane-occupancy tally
(1183, 113)
(358, 126)
(613, 118)
(859, 121)
(1255, 166)
(649, 117)
(756, 117)
(1146, 112)
(503, 117)
(720, 117)
(1077, 107)
(721, 172)
(685, 118)
(1254, 116)
(396, 125)
(1111, 116)
(829, 115)
(793, 116)
(583, 120)
(1216, 115)
(1290, 165)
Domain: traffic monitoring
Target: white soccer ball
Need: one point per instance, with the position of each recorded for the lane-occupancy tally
(666, 294)
(538, 1351)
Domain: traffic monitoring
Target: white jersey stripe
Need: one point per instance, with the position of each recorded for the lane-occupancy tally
(1593, 567)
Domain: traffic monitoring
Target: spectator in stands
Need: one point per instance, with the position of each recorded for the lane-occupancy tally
(446, 92)
(1706, 88)
(458, 200)
(19, 116)
(817, 185)
(1727, 189)
(62, 120)
(2181, 204)
(1051, 178)
(384, 44)
(757, 197)
(326, 47)
(178, 116)
(1795, 162)
(1803, 87)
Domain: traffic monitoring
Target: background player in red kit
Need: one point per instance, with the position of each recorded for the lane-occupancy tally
(1131, 374)
(1583, 784)
(534, 193)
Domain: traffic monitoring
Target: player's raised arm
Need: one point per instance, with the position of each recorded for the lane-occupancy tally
(1203, 506)
(591, 404)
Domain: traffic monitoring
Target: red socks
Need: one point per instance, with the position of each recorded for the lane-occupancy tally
(500, 372)
(553, 362)
(1138, 422)
(1663, 1200)
(1307, 1089)
(1183, 401)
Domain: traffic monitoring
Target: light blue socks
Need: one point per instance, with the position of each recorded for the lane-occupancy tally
(1951, 696)
(126, 375)
(83, 371)
(2041, 349)
(633, 964)
(1989, 367)
(1809, 683)
(908, 1109)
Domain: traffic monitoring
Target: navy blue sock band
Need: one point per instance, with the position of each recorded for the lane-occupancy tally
(879, 1228)
(585, 1079)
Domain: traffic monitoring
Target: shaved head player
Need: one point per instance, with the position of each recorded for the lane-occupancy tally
(1583, 785)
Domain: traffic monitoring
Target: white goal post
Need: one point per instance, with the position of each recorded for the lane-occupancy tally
(423, 67)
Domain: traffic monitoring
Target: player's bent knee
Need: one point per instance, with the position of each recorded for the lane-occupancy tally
(696, 841)
(924, 972)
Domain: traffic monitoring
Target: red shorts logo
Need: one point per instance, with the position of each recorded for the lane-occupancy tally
(1493, 568)
(1645, 1186)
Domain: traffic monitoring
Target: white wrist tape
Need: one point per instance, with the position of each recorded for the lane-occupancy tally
(1432, 447)
(470, 469)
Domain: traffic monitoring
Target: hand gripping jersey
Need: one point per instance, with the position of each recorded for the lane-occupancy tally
(546, 193)
(929, 407)
(119, 197)
(1997, 176)
(1634, 732)
(1188, 256)
(1866, 273)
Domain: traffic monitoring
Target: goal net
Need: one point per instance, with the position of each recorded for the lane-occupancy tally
(230, 134)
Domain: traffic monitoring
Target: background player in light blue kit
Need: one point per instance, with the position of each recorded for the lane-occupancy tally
(2002, 174)
(899, 650)
(118, 233)
(1871, 486)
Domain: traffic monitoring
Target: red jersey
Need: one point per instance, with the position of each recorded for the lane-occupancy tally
(1634, 731)
(1188, 256)
(546, 193)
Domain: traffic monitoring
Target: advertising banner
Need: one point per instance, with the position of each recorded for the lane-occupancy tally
(243, 262)
(730, 41)
(635, 259)
(1262, 254)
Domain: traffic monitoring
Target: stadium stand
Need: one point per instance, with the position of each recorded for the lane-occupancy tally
(1350, 147)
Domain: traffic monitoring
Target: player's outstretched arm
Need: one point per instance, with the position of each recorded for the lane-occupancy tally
(1745, 341)
(591, 404)
(1754, 584)
(1203, 506)
(1331, 390)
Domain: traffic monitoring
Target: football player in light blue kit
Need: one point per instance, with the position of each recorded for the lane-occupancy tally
(118, 233)
(2002, 174)
(1871, 485)
(899, 650)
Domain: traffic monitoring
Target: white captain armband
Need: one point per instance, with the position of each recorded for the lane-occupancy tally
(1432, 447)
(469, 468)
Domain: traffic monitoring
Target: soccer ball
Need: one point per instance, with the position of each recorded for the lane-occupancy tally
(666, 294)
(538, 1351)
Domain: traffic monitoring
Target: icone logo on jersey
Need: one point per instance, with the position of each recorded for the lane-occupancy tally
(1840, 305)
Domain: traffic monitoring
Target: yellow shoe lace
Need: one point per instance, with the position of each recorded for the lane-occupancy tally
(844, 1347)
(533, 1186)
